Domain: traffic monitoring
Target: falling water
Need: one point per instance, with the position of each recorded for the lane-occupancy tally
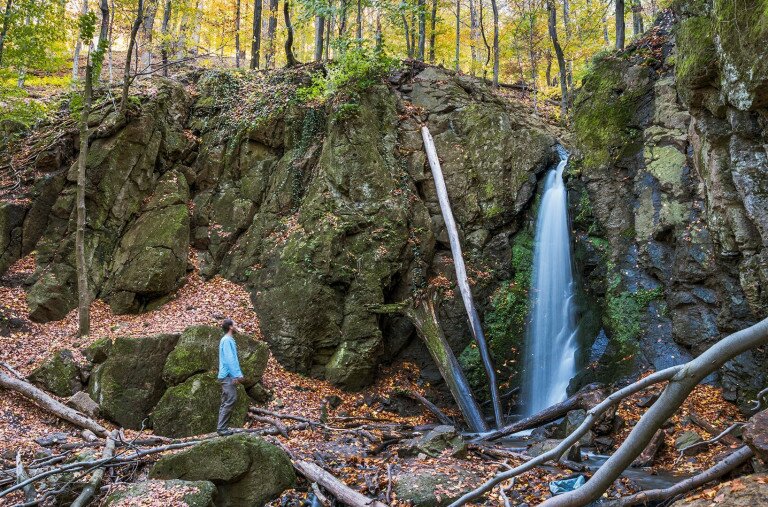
(550, 360)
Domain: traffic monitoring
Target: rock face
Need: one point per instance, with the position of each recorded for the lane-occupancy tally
(173, 492)
(321, 213)
(669, 208)
(129, 383)
(245, 469)
(756, 434)
(58, 374)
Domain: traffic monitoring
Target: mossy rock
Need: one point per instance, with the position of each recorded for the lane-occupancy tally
(198, 352)
(58, 374)
(98, 351)
(129, 383)
(436, 488)
(246, 469)
(696, 63)
(174, 492)
(192, 408)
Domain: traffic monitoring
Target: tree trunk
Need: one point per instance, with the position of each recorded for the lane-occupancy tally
(474, 32)
(495, 42)
(149, 23)
(378, 37)
(619, 24)
(342, 18)
(328, 32)
(78, 46)
(637, 18)
(237, 34)
(338, 489)
(131, 45)
(94, 484)
(256, 41)
(164, 30)
(359, 20)
(429, 330)
(458, 34)
(289, 58)
(46, 402)
(675, 393)
(4, 30)
(422, 29)
(432, 30)
(406, 29)
(319, 29)
(104, 41)
(271, 28)
(560, 59)
(532, 55)
(83, 294)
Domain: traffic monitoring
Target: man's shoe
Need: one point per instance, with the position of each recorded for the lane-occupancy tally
(225, 432)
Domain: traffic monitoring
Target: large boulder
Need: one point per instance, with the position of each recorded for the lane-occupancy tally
(129, 383)
(246, 469)
(433, 488)
(173, 492)
(434, 442)
(58, 374)
(198, 351)
(756, 434)
(192, 407)
(11, 221)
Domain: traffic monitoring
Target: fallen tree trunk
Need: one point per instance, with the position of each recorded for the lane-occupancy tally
(428, 327)
(712, 430)
(730, 463)
(93, 485)
(675, 393)
(444, 419)
(338, 489)
(649, 453)
(46, 402)
(585, 399)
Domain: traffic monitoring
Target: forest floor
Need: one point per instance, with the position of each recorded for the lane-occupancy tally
(350, 456)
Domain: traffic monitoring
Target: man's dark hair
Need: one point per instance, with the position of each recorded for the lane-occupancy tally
(227, 325)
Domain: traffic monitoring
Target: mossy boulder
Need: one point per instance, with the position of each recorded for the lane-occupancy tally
(246, 469)
(192, 408)
(129, 383)
(198, 351)
(98, 351)
(58, 374)
(430, 488)
(173, 492)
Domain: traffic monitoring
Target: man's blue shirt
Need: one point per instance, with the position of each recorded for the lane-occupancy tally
(229, 366)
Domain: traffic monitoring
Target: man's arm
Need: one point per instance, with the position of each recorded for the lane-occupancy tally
(234, 365)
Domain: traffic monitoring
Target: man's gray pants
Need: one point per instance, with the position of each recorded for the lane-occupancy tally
(228, 400)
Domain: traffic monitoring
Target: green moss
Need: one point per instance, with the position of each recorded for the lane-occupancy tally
(696, 57)
(624, 315)
(604, 112)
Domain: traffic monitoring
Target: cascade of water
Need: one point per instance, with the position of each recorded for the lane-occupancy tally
(461, 272)
(550, 345)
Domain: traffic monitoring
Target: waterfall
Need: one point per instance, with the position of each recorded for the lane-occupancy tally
(550, 344)
(461, 272)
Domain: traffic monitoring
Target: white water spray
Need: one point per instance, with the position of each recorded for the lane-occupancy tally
(550, 352)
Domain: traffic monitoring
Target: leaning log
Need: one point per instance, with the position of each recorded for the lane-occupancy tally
(428, 328)
(338, 489)
(93, 485)
(46, 402)
(586, 398)
(651, 450)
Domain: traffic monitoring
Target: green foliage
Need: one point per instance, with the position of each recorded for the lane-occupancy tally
(17, 105)
(584, 219)
(37, 36)
(358, 68)
(86, 27)
(625, 312)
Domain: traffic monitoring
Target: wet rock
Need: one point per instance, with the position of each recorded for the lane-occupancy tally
(58, 374)
(544, 446)
(245, 469)
(52, 439)
(173, 492)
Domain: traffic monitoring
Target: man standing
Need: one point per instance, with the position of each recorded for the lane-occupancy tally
(229, 376)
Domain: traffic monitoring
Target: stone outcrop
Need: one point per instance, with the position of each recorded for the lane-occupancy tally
(58, 374)
(245, 469)
(668, 203)
(746, 491)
